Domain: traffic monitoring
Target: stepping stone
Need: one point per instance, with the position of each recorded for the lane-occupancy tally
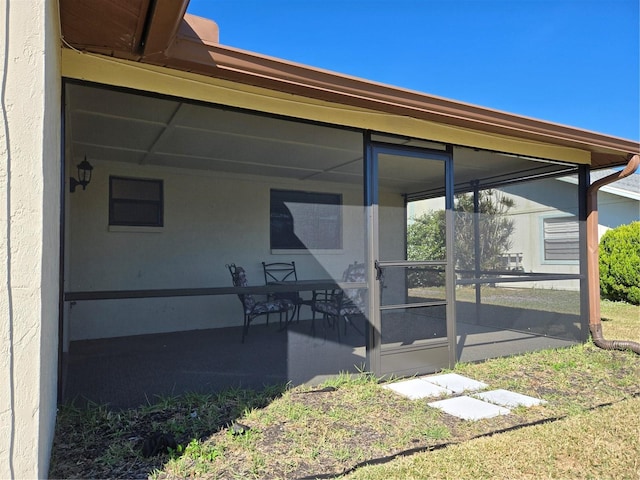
(456, 383)
(469, 408)
(417, 388)
(509, 399)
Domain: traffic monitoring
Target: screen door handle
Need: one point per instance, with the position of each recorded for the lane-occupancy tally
(379, 270)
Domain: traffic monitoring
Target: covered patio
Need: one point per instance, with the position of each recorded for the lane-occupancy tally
(204, 156)
(181, 189)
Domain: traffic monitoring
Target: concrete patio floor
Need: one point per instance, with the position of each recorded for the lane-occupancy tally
(127, 372)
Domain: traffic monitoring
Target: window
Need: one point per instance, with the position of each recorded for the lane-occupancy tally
(561, 238)
(305, 220)
(135, 202)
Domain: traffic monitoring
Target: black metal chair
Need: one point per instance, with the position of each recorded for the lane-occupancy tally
(342, 303)
(278, 272)
(253, 308)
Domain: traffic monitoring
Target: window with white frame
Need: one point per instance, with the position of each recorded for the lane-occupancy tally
(561, 238)
(135, 202)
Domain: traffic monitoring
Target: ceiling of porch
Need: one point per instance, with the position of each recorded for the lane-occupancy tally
(117, 126)
(113, 125)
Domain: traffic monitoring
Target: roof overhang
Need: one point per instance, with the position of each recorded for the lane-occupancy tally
(129, 29)
(160, 33)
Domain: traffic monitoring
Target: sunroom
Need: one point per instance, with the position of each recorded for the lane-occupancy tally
(467, 253)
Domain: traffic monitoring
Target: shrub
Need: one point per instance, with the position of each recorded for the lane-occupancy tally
(620, 264)
(426, 241)
(426, 236)
(494, 225)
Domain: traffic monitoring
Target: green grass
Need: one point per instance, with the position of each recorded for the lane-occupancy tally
(620, 321)
(588, 429)
(562, 301)
(600, 444)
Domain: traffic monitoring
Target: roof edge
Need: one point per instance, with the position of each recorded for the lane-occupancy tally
(190, 50)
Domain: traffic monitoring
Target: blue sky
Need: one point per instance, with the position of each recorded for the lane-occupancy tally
(574, 62)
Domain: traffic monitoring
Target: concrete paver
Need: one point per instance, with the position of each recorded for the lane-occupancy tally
(456, 383)
(417, 388)
(469, 408)
(509, 399)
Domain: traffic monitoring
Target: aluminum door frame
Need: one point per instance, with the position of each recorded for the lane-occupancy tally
(372, 150)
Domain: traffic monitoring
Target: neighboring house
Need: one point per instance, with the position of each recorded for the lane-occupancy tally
(546, 227)
(205, 155)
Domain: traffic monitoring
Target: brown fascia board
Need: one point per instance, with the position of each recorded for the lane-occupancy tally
(196, 49)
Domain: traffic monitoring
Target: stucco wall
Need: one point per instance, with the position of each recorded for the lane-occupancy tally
(210, 220)
(29, 192)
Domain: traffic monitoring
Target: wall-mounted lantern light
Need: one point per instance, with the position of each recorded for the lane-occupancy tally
(84, 175)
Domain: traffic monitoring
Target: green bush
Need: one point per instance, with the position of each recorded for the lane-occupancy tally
(620, 264)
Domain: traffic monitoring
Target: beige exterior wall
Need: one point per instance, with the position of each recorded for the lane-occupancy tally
(211, 219)
(29, 193)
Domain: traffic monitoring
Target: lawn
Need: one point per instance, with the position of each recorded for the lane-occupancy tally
(350, 427)
(620, 321)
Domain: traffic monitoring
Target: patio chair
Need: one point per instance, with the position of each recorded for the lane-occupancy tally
(344, 304)
(253, 308)
(277, 272)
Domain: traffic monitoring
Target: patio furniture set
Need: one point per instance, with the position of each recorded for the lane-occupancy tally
(332, 302)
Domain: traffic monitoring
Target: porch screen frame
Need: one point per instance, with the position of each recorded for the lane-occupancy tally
(372, 148)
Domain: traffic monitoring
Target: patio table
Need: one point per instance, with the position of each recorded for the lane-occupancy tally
(300, 286)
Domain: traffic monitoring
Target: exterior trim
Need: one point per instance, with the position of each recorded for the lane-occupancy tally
(150, 78)
(247, 67)
(183, 42)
